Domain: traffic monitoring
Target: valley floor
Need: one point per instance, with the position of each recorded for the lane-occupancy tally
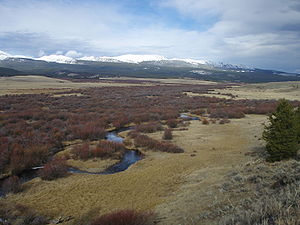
(177, 187)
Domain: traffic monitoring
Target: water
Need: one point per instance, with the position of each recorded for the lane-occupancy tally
(130, 157)
(184, 116)
(112, 136)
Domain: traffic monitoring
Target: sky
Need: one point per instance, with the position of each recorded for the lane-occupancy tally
(256, 33)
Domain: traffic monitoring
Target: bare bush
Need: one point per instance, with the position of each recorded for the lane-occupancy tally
(81, 151)
(54, 169)
(149, 127)
(12, 184)
(168, 134)
(124, 217)
(152, 144)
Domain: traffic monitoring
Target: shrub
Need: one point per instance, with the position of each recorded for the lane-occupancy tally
(223, 121)
(149, 127)
(54, 169)
(81, 151)
(297, 123)
(12, 184)
(4, 154)
(232, 112)
(172, 123)
(88, 131)
(280, 134)
(22, 159)
(205, 121)
(12, 213)
(199, 112)
(124, 217)
(151, 144)
(167, 134)
(107, 149)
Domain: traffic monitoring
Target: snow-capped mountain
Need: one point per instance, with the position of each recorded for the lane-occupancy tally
(157, 60)
(95, 67)
(58, 59)
(128, 58)
(5, 55)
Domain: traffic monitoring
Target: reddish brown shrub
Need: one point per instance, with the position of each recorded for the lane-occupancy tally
(149, 127)
(213, 121)
(87, 131)
(223, 121)
(108, 149)
(12, 184)
(54, 169)
(172, 123)
(232, 112)
(81, 151)
(199, 112)
(151, 144)
(205, 121)
(124, 217)
(4, 154)
(120, 122)
(167, 134)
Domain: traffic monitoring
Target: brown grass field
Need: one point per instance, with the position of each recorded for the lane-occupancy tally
(272, 90)
(175, 186)
(40, 84)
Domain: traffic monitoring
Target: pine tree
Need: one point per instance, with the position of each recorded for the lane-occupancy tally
(297, 121)
(280, 134)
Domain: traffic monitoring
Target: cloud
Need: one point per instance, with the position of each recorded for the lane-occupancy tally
(73, 54)
(259, 33)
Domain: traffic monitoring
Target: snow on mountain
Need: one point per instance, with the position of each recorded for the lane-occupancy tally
(4, 55)
(99, 59)
(57, 59)
(192, 61)
(139, 58)
(129, 58)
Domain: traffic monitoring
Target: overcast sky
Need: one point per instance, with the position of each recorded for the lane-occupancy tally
(257, 33)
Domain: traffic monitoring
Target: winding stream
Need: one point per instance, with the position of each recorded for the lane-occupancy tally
(130, 157)
(185, 116)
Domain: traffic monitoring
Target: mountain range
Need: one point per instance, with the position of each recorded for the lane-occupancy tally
(152, 66)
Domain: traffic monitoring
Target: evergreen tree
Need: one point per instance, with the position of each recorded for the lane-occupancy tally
(280, 134)
(297, 121)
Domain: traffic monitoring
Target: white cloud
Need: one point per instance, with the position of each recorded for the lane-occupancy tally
(73, 54)
(260, 33)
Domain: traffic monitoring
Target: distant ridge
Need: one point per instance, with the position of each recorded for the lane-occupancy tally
(147, 66)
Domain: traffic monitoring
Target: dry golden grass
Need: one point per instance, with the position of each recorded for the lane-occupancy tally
(166, 81)
(288, 90)
(274, 90)
(169, 183)
(91, 165)
(212, 94)
(41, 84)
